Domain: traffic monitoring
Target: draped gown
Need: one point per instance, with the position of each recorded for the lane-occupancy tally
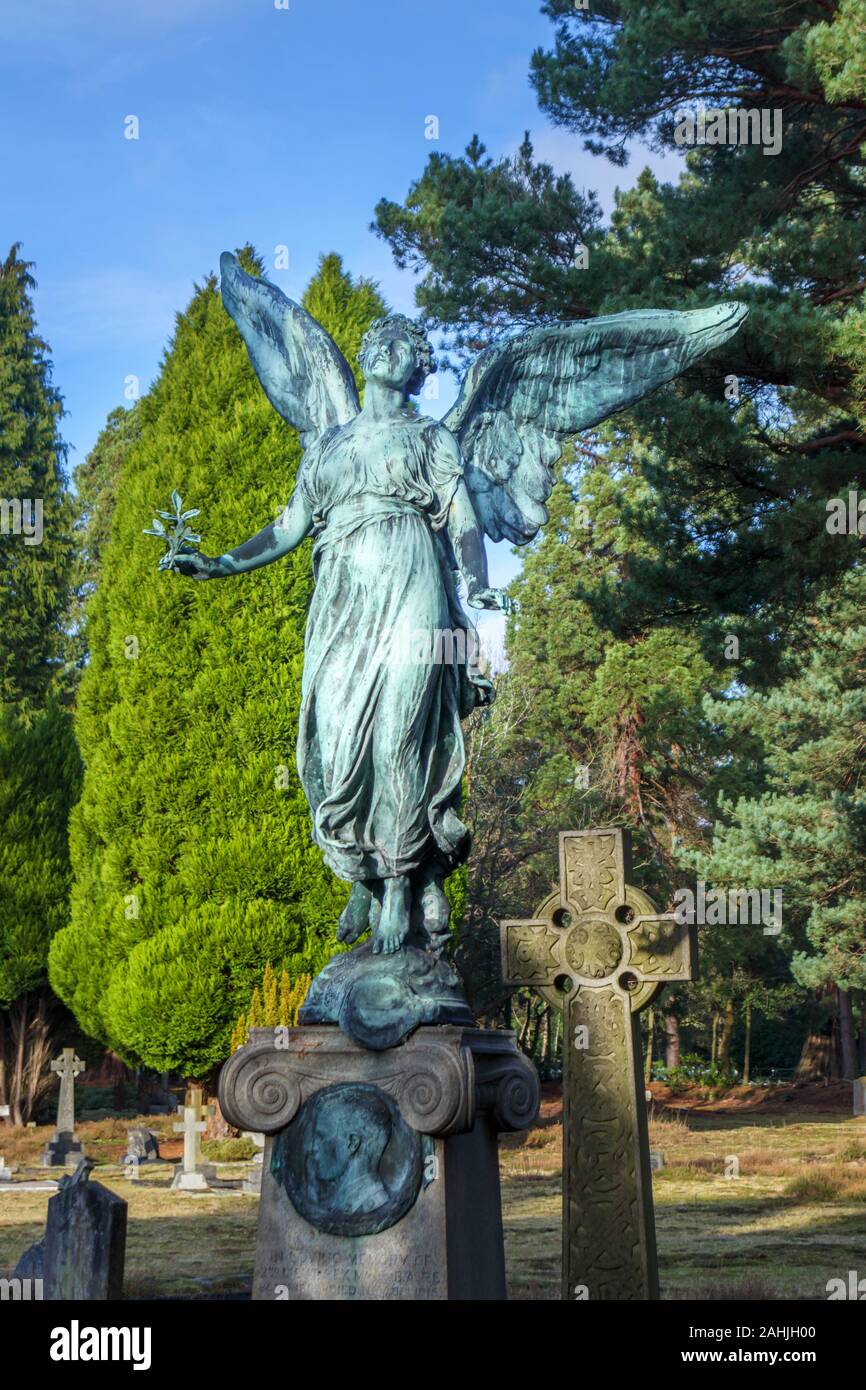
(380, 747)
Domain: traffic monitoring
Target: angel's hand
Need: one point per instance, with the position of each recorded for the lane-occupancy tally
(191, 563)
(490, 598)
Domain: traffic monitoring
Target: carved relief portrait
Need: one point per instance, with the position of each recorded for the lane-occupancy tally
(349, 1162)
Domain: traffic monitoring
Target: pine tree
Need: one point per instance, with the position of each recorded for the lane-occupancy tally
(702, 547)
(191, 845)
(805, 831)
(741, 492)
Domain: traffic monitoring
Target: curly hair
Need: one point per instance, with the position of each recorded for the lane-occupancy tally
(425, 363)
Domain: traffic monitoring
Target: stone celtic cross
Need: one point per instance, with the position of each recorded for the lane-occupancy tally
(67, 1066)
(599, 951)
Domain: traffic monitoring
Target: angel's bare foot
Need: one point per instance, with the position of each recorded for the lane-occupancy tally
(393, 925)
(355, 917)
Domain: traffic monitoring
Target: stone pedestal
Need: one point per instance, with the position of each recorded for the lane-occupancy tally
(199, 1180)
(381, 1175)
(61, 1151)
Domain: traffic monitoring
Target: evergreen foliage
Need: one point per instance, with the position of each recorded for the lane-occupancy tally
(193, 865)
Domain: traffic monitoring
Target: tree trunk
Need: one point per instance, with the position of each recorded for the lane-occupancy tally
(847, 1039)
(25, 1050)
(648, 1059)
(672, 1041)
(715, 1047)
(536, 1026)
(729, 1018)
(747, 1048)
(817, 1060)
(545, 1035)
(524, 1027)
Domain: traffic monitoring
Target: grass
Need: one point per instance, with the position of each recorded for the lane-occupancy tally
(753, 1206)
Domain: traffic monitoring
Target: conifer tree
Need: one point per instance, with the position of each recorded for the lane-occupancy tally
(35, 508)
(805, 832)
(39, 765)
(191, 844)
(39, 780)
(703, 546)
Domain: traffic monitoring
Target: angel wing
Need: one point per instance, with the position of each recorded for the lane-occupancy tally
(304, 374)
(523, 397)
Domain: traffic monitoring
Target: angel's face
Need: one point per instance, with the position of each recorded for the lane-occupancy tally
(389, 357)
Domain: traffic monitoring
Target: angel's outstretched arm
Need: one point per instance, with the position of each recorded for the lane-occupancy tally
(272, 542)
(467, 539)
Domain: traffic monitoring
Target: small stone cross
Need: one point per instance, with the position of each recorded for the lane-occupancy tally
(599, 951)
(193, 1127)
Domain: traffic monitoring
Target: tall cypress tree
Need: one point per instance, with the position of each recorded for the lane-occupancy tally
(97, 484)
(36, 517)
(39, 765)
(191, 844)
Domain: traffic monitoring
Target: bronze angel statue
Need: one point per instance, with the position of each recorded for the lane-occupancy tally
(399, 505)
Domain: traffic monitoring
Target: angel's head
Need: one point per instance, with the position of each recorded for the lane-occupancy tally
(396, 351)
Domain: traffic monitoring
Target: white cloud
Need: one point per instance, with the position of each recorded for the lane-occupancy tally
(564, 150)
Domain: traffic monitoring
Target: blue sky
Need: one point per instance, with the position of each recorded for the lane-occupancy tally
(276, 126)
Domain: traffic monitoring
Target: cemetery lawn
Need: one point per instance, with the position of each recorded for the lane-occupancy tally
(793, 1218)
(791, 1215)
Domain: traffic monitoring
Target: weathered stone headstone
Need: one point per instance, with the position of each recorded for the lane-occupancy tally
(4, 1112)
(142, 1146)
(657, 1160)
(599, 951)
(64, 1148)
(85, 1240)
(82, 1253)
(194, 1174)
(860, 1095)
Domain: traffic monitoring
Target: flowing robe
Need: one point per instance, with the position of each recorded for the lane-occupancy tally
(380, 747)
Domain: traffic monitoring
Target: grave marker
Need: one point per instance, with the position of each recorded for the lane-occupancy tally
(599, 951)
(194, 1175)
(64, 1147)
(85, 1240)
